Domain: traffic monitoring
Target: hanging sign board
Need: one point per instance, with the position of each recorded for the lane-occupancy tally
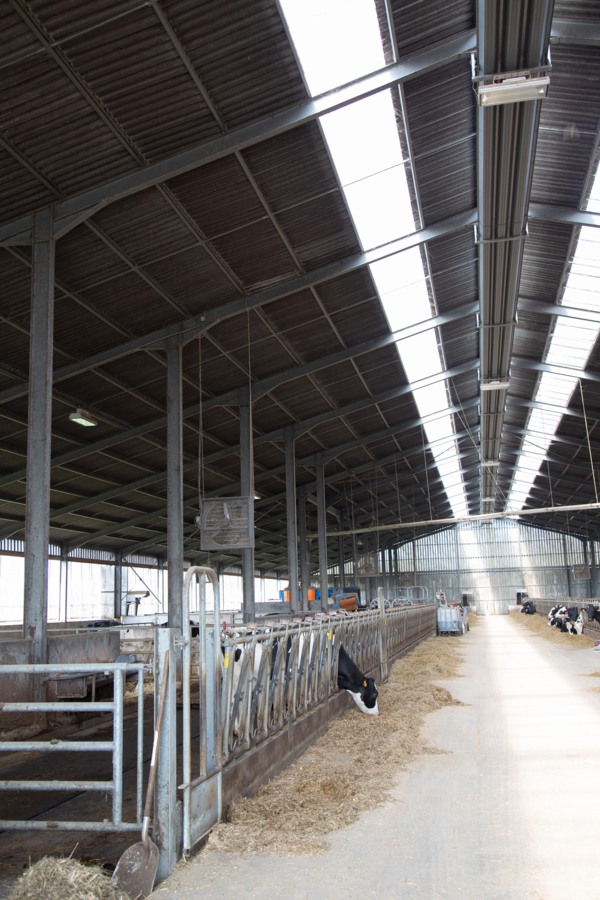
(226, 523)
(581, 573)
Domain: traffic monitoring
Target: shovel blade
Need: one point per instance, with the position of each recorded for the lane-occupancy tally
(136, 870)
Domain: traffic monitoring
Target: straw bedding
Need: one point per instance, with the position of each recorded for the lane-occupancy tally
(65, 879)
(350, 768)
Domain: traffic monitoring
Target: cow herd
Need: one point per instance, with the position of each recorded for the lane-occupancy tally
(568, 619)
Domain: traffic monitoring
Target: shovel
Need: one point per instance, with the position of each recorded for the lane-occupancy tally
(136, 869)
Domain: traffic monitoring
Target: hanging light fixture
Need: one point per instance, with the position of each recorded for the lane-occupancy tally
(512, 88)
(82, 418)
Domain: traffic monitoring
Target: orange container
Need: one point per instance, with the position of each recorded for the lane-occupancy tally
(312, 594)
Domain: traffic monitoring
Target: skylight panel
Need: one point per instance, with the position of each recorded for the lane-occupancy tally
(337, 41)
(369, 128)
(421, 359)
(570, 347)
(386, 193)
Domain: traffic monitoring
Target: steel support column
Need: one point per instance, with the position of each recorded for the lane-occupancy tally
(39, 434)
(292, 530)
(63, 599)
(118, 586)
(247, 490)
(342, 558)
(566, 557)
(174, 484)
(322, 534)
(304, 554)
(168, 810)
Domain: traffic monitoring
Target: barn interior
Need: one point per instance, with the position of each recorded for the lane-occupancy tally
(285, 290)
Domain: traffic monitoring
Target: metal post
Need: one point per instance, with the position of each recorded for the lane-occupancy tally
(167, 808)
(292, 533)
(586, 559)
(322, 535)
(567, 566)
(174, 483)
(247, 489)
(161, 584)
(342, 559)
(39, 433)
(304, 556)
(594, 570)
(63, 600)
(118, 586)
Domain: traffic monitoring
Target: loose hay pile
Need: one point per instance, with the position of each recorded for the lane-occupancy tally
(65, 879)
(539, 625)
(351, 768)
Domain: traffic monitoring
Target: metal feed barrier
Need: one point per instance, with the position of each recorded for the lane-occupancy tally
(258, 683)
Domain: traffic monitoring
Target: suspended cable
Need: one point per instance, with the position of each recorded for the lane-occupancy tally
(426, 473)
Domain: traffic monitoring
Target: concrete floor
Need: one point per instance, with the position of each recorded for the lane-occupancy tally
(507, 812)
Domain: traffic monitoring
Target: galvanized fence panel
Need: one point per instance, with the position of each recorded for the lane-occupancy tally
(118, 672)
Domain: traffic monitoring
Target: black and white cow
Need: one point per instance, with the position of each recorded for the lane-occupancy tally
(567, 619)
(593, 613)
(528, 608)
(557, 616)
(575, 626)
(361, 688)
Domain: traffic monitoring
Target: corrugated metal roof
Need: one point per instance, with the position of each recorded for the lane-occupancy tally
(254, 235)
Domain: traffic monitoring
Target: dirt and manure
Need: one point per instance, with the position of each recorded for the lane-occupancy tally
(350, 768)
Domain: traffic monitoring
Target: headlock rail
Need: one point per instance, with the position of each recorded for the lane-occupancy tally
(268, 689)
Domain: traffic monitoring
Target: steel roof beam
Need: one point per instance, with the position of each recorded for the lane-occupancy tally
(541, 308)
(534, 366)
(564, 215)
(576, 32)
(74, 210)
(198, 324)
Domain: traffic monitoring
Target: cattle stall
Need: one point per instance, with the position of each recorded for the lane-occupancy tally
(242, 702)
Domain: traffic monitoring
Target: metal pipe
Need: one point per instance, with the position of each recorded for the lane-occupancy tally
(174, 485)
(39, 825)
(58, 786)
(117, 759)
(247, 490)
(56, 745)
(140, 746)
